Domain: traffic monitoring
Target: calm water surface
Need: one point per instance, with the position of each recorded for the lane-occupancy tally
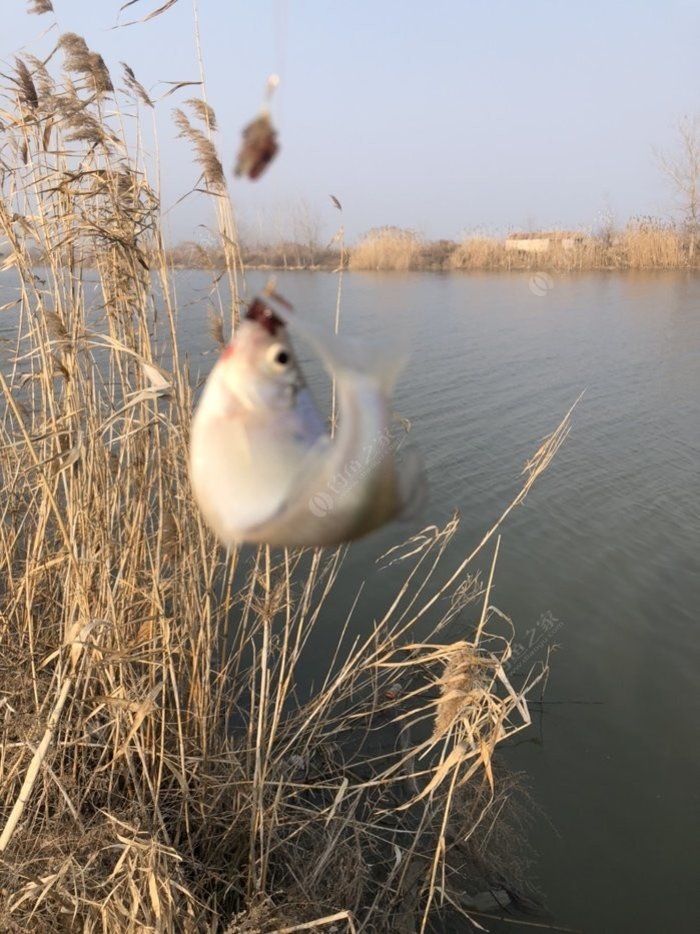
(608, 543)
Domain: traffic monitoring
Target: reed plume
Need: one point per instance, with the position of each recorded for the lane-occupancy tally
(135, 86)
(204, 151)
(40, 6)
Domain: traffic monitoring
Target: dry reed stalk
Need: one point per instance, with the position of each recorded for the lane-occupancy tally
(338, 238)
(226, 221)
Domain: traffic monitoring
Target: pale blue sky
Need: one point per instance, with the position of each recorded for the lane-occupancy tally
(442, 116)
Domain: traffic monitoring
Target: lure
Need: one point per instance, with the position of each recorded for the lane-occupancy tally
(258, 148)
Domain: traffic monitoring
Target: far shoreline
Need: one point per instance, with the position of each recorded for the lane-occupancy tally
(641, 244)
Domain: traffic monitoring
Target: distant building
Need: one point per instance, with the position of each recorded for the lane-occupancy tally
(543, 242)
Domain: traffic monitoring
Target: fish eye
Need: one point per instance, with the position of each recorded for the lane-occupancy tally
(278, 356)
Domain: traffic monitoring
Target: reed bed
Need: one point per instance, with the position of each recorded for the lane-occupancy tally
(157, 770)
(645, 243)
(386, 248)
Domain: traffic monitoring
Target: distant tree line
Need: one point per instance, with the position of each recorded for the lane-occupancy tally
(643, 243)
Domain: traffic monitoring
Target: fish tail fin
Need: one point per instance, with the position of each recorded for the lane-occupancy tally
(382, 364)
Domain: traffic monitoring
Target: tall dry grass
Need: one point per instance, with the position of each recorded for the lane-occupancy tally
(479, 252)
(647, 243)
(157, 772)
(644, 243)
(386, 248)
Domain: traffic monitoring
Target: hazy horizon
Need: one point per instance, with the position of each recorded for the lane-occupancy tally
(444, 119)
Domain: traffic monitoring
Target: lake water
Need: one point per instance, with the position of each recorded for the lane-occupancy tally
(607, 544)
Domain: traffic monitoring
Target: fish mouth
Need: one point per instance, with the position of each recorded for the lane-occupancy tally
(259, 311)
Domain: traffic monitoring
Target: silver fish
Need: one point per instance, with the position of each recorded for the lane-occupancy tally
(263, 467)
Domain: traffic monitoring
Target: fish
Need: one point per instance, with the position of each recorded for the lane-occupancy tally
(264, 469)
